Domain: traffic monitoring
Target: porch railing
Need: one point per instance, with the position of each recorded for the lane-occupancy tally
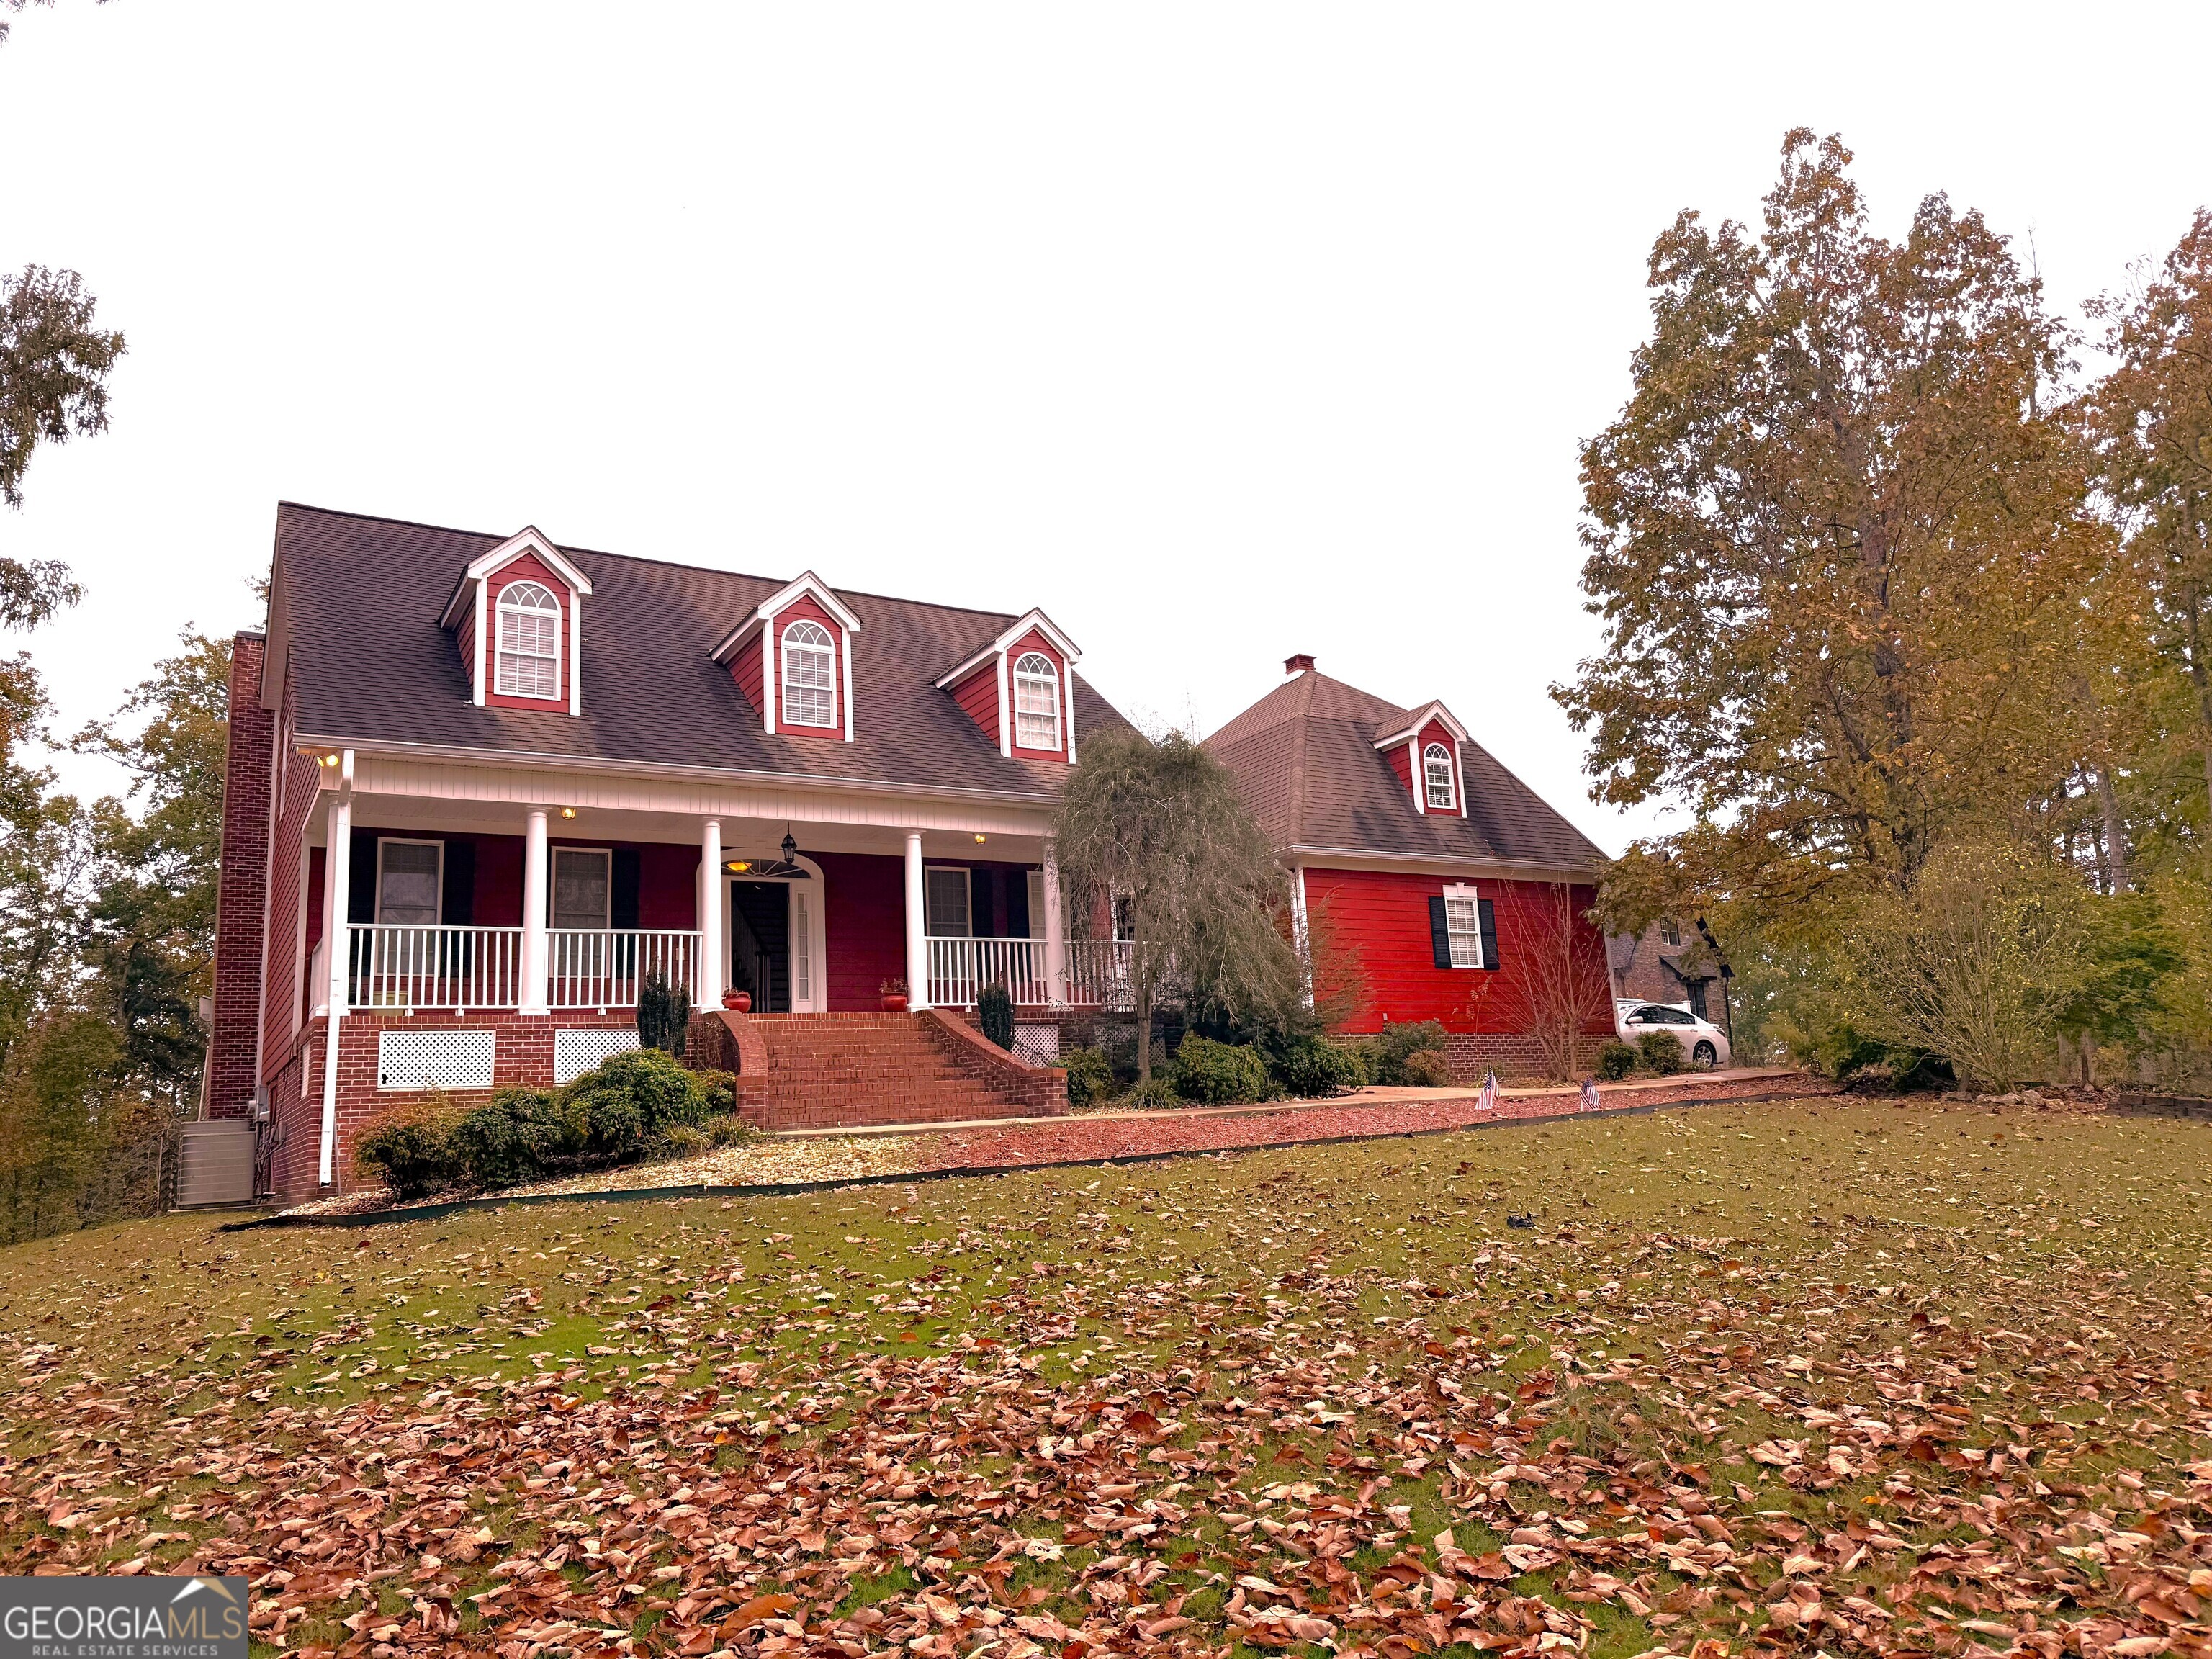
(394, 966)
(961, 968)
(603, 968)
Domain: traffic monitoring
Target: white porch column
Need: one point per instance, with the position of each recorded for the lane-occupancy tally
(711, 954)
(1298, 934)
(917, 950)
(338, 859)
(1055, 932)
(534, 875)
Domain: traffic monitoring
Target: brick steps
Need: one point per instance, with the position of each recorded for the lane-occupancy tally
(836, 1070)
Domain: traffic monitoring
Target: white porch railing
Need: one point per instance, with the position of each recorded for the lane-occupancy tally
(961, 968)
(393, 966)
(603, 967)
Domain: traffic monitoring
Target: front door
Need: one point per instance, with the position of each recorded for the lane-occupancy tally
(760, 943)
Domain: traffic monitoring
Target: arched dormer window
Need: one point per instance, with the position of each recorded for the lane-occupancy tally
(529, 641)
(1437, 771)
(810, 676)
(1036, 702)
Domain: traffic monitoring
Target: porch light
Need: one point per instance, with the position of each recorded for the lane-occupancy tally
(979, 841)
(739, 866)
(790, 848)
(329, 760)
(567, 812)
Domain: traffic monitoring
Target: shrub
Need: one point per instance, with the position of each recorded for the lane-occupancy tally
(720, 1088)
(1311, 1069)
(1615, 1061)
(1220, 1073)
(994, 1013)
(726, 1129)
(409, 1146)
(1155, 1091)
(663, 1014)
(686, 1139)
(1090, 1076)
(1425, 1068)
(1386, 1053)
(629, 1102)
(515, 1136)
(1661, 1052)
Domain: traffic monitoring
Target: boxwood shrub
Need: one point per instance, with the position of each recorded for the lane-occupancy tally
(1220, 1073)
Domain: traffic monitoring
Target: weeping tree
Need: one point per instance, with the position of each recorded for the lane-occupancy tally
(1155, 835)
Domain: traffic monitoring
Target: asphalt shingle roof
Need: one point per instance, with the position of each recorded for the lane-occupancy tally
(363, 595)
(1305, 757)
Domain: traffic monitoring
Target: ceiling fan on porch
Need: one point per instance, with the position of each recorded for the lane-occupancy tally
(785, 868)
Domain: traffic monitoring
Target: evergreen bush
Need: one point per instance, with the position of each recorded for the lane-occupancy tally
(1220, 1073)
(1425, 1068)
(663, 1014)
(1307, 1068)
(1387, 1053)
(1090, 1076)
(994, 1013)
(409, 1147)
(517, 1135)
(1661, 1052)
(1615, 1061)
(627, 1103)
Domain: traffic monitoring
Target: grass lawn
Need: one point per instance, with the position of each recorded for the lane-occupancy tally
(1823, 1376)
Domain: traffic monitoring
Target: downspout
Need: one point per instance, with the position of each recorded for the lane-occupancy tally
(337, 864)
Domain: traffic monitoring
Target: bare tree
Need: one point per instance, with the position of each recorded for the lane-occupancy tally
(1555, 984)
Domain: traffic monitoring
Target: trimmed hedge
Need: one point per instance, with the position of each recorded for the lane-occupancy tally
(410, 1145)
(1307, 1068)
(1090, 1076)
(1615, 1061)
(1220, 1073)
(1661, 1052)
(1387, 1053)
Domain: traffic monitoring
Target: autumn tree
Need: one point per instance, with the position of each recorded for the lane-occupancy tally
(1841, 545)
(1157, 833)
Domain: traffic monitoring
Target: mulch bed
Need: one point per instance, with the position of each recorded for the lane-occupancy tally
(1080, 1140)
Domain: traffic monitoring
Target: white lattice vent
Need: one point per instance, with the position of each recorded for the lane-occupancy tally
(576, 1051)
(1037, 1044)
(435, 1060)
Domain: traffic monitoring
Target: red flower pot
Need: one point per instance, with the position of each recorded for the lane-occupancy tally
(894, 1005)
(738, 1001)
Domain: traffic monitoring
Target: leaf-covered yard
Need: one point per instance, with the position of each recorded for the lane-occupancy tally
(1813, 1376)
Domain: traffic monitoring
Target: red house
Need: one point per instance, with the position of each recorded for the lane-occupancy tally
(481, 789)
(1431, 883)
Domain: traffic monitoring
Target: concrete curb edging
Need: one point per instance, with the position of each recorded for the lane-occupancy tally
(440, 1211)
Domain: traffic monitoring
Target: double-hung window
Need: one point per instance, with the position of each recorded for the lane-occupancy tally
(1036, 702)
(582, 887)
(1463, 928)
(408, 879)
(1436, 770)
(810, 675)
(945, 905)
(529, 641)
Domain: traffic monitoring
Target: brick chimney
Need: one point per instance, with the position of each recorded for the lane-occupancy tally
(1295, 666)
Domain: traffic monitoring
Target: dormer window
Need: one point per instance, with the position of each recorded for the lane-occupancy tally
(1437, 770)
(529, 641)
(810, 675)
(1036, 702)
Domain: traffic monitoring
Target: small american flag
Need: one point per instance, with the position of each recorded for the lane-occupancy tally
(1489, 1099)
(1589, 1094)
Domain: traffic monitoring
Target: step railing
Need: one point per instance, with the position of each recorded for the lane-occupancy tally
(603, 967)
(391, 965)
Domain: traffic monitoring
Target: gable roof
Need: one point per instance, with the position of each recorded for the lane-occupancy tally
(805, 585)
(1306, 758)
(1032, 621)
(355, 607)
(529, 539)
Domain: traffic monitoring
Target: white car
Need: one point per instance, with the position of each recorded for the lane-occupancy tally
(1705, 1045)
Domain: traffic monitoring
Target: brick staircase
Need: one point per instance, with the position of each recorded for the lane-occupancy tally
(828, 1071)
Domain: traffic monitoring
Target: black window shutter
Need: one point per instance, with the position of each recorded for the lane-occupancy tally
(360, 877)
(1488, 918)
(621, 893)
(460, 901)
(1439, 931)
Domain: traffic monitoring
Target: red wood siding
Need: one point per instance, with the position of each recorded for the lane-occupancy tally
(979, 695)
(864, 914)
(667, 886)
(1036, 641)
(805, 610)
(1401, 759)
(527, 569)
(465, 640)
(1376, 926)
(746, 669)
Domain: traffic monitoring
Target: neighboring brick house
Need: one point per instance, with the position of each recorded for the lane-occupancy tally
(512, 780)
(1432, 883)
(1669, 961)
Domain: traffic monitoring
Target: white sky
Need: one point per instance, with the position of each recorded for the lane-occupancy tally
(1219, 331)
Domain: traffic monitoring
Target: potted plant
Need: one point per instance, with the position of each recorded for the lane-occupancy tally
(738, 1001)
(893, 992)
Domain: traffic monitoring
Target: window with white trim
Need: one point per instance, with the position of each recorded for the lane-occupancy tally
(1463, 927)
(409, 877)
(944, 907)
(529, 641)
(1036, 702)
(810, 675)
(583, 887)
(1437, 770)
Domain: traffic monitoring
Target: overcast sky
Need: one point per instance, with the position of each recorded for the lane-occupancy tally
(1219, 331)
